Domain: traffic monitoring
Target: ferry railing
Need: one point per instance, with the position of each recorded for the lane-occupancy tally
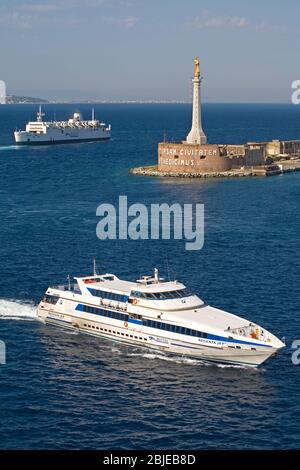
(251, 331)
(66, 287)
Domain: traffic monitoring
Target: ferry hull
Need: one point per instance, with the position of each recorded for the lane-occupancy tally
(137, 337)
(20, 140)
(70, 141)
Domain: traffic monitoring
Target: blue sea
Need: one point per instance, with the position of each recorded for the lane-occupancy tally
(67, 391)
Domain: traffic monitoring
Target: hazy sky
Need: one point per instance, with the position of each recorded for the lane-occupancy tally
(143, 49)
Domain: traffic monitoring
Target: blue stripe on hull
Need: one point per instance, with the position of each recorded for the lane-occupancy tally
(67, 141)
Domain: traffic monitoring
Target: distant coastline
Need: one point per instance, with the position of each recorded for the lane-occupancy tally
(12, 99)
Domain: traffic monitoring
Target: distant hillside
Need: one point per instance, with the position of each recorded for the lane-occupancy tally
(12, 99)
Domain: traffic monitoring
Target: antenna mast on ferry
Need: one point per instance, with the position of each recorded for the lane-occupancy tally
(94, 266)
(40, 114)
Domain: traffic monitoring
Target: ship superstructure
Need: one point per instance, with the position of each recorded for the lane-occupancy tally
(57, 132)
(157, 314)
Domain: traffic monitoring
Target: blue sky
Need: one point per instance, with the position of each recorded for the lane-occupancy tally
(143, 49)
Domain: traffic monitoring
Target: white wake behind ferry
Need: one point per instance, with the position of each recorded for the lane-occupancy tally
(60, 132)
(157, 314)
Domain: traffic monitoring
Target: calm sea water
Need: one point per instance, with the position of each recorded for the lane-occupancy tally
(61, 390)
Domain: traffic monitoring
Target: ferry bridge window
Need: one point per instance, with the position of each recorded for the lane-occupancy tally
(159, 295)
(176, 294)
(182, 293)
(51, 299)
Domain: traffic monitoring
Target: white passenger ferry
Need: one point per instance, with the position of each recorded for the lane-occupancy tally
(61, 132)
(157, 314)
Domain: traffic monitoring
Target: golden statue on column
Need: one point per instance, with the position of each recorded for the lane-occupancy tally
(197, 68)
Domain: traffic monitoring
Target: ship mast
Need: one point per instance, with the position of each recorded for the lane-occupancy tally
(94, 266)
(40, 114)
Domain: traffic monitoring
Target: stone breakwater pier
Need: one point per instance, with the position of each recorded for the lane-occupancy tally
(281, 167)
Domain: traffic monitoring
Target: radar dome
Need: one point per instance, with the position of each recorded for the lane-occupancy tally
(77, 116)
